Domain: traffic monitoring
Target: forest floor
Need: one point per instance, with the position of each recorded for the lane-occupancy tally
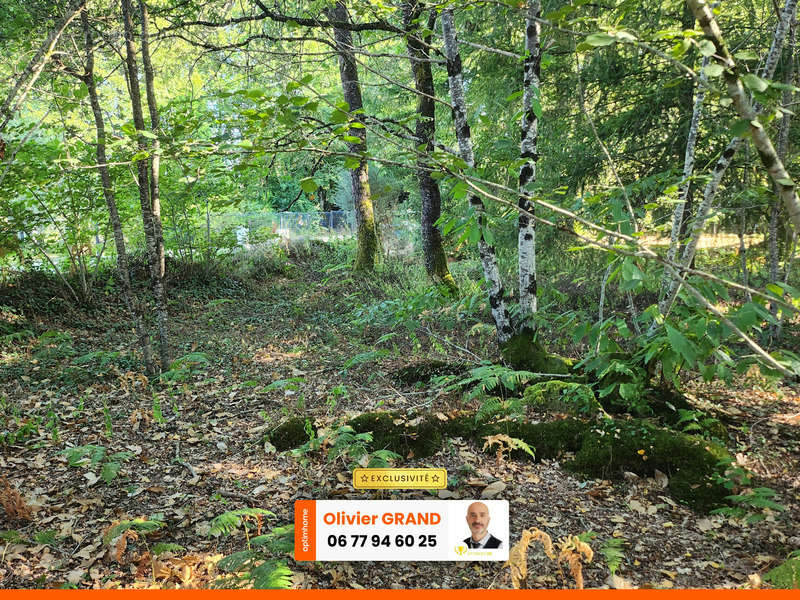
(196, 450)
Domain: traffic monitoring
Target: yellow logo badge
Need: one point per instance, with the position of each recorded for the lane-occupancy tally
(461, 550)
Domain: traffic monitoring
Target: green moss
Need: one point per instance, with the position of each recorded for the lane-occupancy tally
(576, 399)
(613, 447)
(548, 440)
(424, 370)
(393, 432)
(290, 434)
(524, 353)
(464, 424)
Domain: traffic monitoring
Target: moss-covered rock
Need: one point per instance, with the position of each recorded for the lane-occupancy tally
(464, 425)
(423, 371)
(524, 353)
(548, 440)
(612, 447)
(576, 399)
(418, 439)
(290, 434)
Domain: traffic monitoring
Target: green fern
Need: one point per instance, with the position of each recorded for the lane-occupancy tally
(612, 552)
(162, 547)
(257, 566)
(138, 525)
(485, 379)
(228, 522)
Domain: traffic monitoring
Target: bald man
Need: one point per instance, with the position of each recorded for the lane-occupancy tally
(478, 521)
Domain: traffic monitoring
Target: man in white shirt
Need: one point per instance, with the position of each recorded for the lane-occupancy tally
(478, 521)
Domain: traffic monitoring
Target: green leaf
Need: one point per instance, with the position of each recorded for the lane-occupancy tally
(713, 70)
(786, 182)
(600, 39)
(109, 471)
(536, 107)
(746, 55)
(706, 48)
(681, 345)
(754, 82)
(308, 185)
(740, 128)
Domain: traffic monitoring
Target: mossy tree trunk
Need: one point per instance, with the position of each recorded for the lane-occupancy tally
(351, 88)
(435, 257)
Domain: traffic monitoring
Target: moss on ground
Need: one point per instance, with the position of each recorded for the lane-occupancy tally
(548, 440)
(576, 399)
(524, 353)
(290, 434)
(423, 371)
(393, 432)
(602, 449)
(615, 446)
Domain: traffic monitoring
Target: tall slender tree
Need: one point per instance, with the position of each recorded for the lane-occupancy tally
(111, 201)
(491, 273)
(143, 183)
(359, 177)
(419, 45)
(531, 109)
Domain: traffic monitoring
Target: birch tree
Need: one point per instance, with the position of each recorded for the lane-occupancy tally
(531, 110)
(741, 103)
(491, 273)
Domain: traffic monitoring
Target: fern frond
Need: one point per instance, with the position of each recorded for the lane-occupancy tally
(272, 575)
(612, 552)
(228, 522)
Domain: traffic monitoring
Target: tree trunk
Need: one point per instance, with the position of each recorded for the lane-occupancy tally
(706, 18)
(491, 273)
(678, 215)
(766, 151)
(155, 157)
(435, 258)
(529, 153)
(144, 186)
(111, 203)
(783, 148)
(362, 200)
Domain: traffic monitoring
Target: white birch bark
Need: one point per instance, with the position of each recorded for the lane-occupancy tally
(725, 159)
(491, 273)
(769, 157)
(529, 152)
(688, 169)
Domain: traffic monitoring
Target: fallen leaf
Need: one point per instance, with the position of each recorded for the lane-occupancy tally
(619, 583)
(75, 576)
(637, 506)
